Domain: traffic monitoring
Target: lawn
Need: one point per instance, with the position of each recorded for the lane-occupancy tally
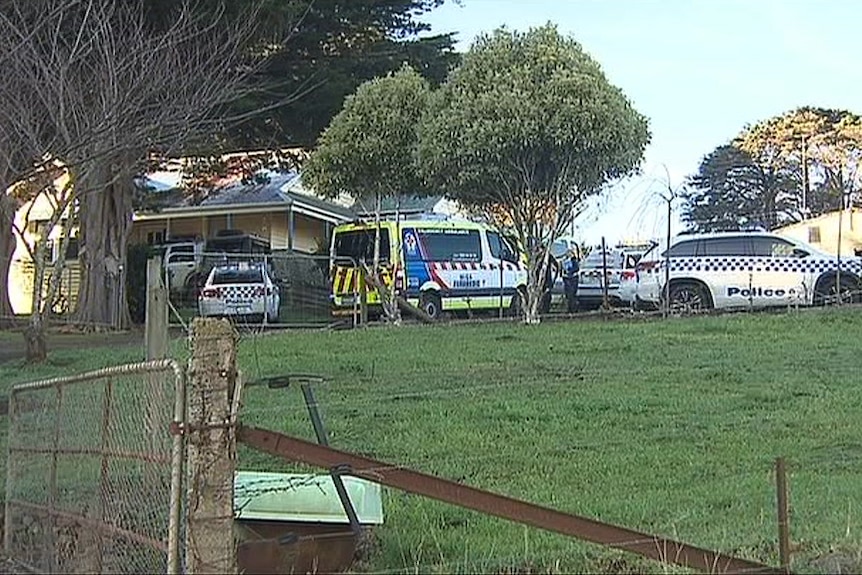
(669, 427)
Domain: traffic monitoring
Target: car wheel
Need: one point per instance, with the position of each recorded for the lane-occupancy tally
(831, 291)
(688, 297)
(430, 303)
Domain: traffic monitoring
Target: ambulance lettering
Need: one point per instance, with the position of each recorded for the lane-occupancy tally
(466, 281)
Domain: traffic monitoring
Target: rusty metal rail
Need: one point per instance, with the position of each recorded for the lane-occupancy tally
(651, 546)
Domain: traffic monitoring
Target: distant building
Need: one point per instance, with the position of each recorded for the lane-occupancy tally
(278, 208)
(823, 232)
(32, 218)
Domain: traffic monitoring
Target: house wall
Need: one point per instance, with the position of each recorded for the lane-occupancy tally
(257, 224)
(29, 218)
(822, 232)
(21, 275)
(309, 233)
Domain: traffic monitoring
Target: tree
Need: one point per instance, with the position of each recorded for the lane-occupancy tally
(335, 45)
(525, 129)
(105, 89)
(368, 152)
(822, 146)
(731, 191)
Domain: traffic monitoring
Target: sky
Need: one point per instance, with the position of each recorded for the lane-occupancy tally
(700, 70)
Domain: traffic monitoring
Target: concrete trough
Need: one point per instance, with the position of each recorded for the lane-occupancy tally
(295, 523)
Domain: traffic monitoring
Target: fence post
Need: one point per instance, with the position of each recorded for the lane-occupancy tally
(363, 297)
(605, 303)
(211, 448)
(156, 327)
(783, 521)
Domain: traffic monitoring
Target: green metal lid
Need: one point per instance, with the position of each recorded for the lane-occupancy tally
(304, 498)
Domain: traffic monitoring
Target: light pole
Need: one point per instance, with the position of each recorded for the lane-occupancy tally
(805, 177)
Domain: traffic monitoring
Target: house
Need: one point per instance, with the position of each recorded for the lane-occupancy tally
(277, 207)
(823, 231)
(32, 217)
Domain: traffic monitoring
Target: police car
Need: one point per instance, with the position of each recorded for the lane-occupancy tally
(611, 268)
(744, 270)
(240, 290)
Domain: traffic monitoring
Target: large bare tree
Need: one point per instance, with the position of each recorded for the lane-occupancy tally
(99, 88)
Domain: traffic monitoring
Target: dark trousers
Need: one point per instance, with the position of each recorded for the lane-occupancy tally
(571, 287)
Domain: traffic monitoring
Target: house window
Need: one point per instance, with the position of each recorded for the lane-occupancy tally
(72, 249)
(156, 238)
(36, 227)
(814, 234)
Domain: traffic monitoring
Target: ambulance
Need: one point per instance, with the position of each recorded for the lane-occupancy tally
(440, 265)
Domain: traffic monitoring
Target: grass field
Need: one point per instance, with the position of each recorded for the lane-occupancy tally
(670, 427)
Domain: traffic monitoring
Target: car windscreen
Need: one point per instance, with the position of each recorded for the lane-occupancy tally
(446, 245)
(358, 245)
(237, 276)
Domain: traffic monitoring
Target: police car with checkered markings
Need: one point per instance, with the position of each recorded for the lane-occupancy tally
(243, 290)
(745, 270)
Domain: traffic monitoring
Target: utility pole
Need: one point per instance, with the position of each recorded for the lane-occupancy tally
(805, 184)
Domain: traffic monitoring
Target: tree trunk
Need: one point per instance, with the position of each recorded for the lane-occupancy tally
(105, 216)
(35, 339)
(34, 336)
(537, 271)
(385, 292)
(7, 249)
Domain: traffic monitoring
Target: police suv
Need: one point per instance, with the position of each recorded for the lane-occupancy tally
(744, 270)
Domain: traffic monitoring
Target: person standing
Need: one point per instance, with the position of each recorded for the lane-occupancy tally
(571, 266)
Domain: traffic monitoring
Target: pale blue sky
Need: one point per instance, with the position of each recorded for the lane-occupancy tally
(699, 69)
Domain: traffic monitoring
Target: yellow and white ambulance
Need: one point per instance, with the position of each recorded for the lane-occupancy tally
(439, 265)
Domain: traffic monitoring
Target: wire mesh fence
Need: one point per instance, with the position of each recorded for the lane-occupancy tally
(295, 289)
(93, 482)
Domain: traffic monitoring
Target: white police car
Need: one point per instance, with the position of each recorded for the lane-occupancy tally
(615, 268)
(745, 270)
(240, 290)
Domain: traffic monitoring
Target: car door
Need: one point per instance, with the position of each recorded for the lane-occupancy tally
(780, 272)
(502, 275)
(180, 263)
(727, 265)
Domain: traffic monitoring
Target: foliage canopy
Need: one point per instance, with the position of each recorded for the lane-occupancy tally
(802, 163)
(524, 130)
(368, 150)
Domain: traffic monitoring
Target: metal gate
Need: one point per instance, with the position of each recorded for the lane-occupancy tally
(94, 475)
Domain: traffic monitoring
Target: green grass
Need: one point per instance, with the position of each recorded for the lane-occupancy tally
(669, 427)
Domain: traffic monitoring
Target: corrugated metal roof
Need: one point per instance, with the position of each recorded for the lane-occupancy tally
(271, 190)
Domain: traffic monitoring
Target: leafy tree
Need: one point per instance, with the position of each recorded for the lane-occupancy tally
(324, 49)
(368, 152)
(822, 146)
(524, 129)
(731, 191)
